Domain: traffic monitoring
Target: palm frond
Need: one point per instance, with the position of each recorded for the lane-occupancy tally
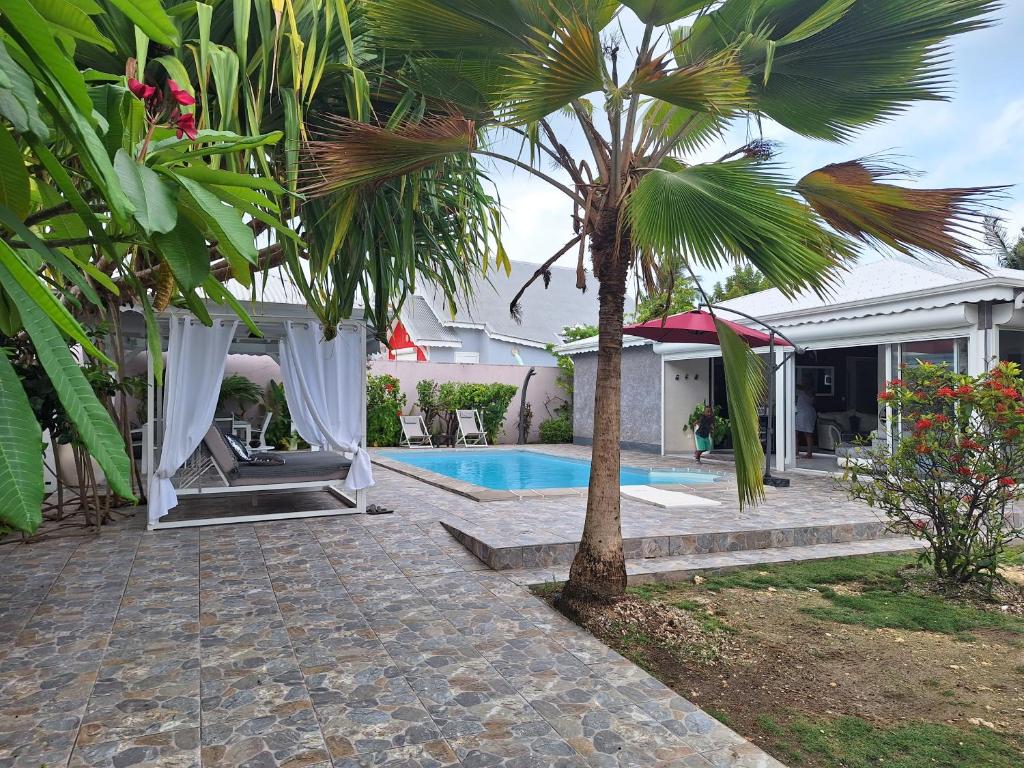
(717, 213)
(745, 386)
(853, 199)
(716, 85)
(350, 153)
(662, 12)
(561, 67)
(673, 130)
(465, 26)
(829, 69)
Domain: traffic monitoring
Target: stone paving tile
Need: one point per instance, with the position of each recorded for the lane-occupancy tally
(290, 736)
(366, 641)
(431, 754)
(171, 749)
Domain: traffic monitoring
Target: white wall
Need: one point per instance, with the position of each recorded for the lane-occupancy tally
(681, 397)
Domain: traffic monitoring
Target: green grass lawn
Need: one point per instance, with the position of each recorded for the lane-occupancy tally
(882, 598)
(851, 742)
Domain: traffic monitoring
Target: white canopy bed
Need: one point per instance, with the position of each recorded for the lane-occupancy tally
(325, 388)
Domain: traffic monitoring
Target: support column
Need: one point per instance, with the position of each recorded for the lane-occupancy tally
(785, 406)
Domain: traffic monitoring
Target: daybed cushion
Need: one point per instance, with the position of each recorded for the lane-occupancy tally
(298, 467)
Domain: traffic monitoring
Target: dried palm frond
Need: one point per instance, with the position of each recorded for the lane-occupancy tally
(349, 153)
(853, 199)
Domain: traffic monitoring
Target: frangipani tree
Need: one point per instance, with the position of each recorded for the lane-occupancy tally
(822, 68)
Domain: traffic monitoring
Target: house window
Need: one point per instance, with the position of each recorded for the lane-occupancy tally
(467, 357)
(949, 352)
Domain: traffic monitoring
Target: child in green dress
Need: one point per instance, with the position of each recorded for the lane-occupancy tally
(702, 430)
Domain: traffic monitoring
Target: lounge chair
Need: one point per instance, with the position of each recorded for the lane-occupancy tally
(414, 432)
(471, 428)
(298, 470)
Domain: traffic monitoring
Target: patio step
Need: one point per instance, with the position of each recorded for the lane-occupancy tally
(685, 567)
(517, 549)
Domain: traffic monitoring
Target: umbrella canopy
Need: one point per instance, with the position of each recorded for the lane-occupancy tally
(696, 327)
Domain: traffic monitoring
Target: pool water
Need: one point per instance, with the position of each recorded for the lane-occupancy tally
(516, 470)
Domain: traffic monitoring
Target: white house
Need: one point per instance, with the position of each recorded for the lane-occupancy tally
(879, 315)
(482, 330)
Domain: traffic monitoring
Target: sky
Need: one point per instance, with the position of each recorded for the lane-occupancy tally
(974, 139)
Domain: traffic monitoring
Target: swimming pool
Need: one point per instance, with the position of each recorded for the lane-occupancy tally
(516, 470)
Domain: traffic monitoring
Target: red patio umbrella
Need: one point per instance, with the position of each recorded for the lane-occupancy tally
(696, 327)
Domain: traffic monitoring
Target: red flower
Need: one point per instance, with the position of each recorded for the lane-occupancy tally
(1011, 433)
(981, 478)
(920, 524)
(896, 383)
(965, 471)
(183, 97)
(1001, 407)
(944, 392)
(185, 125)
(922, 448)
(970, 445)
(141, 90)
(1012, 393)
(1007, 482)
(941, 418)
(923, 424)
(965, 389)
(886, 396)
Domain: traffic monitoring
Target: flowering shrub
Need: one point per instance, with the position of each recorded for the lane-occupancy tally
(956, 469)
(384, 405)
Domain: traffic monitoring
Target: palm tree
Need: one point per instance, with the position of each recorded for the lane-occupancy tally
(822, 68)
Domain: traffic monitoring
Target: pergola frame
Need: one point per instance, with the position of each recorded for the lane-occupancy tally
(271, 319)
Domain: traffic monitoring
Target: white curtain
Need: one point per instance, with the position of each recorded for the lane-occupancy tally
(324, 384)
(195, 367)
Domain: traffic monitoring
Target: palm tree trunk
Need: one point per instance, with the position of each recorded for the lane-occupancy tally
(598, 572)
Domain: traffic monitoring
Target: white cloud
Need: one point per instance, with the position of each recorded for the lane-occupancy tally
(537, 218)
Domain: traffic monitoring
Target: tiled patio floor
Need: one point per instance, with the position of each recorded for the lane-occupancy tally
(348, 641)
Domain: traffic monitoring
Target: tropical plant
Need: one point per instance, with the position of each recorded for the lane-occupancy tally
(239, 391)
(680, 295)
(557, 429)
(280, 429)
(1010, 255)
(956, 469)
(744, 280)
(149, 152)
(822, 68)
(491, 400)
(385, 402)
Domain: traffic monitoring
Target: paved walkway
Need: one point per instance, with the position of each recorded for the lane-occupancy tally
(350, 641)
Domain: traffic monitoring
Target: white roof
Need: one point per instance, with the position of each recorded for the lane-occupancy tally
(881, 287)
(545, 311)
(886, 286)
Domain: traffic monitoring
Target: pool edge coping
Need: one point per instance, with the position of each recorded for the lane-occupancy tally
(483, 494)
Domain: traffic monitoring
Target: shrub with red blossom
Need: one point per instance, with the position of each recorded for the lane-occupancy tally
(956, 468)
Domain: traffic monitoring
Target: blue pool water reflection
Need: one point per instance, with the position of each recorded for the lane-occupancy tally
(516, 470)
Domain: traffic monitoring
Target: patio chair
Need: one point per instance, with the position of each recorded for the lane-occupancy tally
(261, 432)
(471, 428)
(414, 432)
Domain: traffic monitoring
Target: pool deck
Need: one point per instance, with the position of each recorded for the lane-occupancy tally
(354, 642)
(534, 538)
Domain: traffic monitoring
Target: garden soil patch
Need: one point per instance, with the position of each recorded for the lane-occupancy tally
(773, 659)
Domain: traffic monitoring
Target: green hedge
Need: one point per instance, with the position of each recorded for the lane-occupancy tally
(384, 404)
(556, 430)
(438, 403)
